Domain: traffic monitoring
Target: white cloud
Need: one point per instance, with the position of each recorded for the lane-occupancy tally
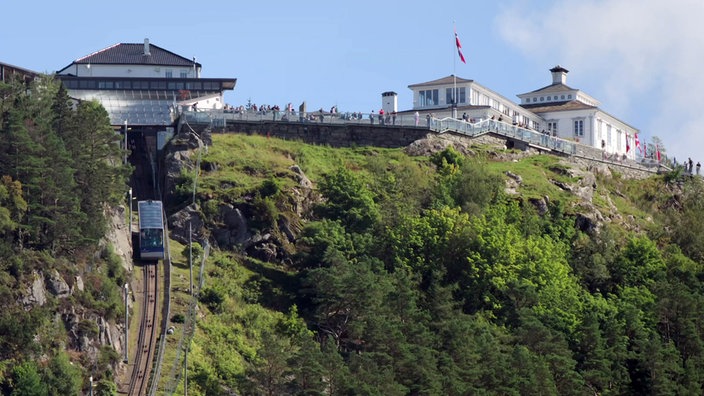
(640, 54)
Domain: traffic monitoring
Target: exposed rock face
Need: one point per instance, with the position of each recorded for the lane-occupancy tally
(540, 204)
(57, 285)
(79, 283)
(188, 219)
(36, 294)
(234, 230)
(432, 145)
(303, 180)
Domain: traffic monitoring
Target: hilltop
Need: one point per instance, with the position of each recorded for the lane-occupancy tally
(440, 268)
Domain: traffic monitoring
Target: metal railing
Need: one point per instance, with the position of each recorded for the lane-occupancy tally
(219, 118)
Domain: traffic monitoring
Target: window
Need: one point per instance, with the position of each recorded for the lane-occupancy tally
(460, 95)
(169, 74)
(184, 74)
(552, 127)
(562, 97)
(427, 98)
(569, 96)
(542, 99)
(535, 100)
(579, 127)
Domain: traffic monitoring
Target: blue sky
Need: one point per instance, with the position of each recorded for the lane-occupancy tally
(640, 58)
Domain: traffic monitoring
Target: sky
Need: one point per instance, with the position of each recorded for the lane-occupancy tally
(641, 59)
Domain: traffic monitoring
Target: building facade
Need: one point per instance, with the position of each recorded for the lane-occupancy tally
(142, 84)
(574, 115)
(556, 109)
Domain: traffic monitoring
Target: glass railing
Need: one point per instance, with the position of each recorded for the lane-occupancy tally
(219, 118)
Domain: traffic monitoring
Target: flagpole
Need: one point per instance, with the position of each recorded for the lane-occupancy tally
(454, 76)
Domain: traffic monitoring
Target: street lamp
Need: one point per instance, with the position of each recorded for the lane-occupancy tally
(91, 385)
(126, 359)
(130, 218)
(125, 142)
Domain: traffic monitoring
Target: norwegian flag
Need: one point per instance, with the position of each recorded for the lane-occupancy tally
(638, 143)
(628, 143)
(459, 47)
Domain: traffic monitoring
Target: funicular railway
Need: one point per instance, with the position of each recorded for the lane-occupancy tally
(148, 241)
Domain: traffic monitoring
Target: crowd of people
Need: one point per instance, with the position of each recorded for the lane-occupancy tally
(689, 167)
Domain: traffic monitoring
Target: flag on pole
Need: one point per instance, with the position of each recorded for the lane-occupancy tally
(657, 152)
(638, 147)
(628, 143)
(459, 47)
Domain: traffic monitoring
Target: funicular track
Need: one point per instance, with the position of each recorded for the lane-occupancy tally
(146, 343)
(143, 183)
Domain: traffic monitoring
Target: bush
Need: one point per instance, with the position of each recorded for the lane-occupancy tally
(178, 318)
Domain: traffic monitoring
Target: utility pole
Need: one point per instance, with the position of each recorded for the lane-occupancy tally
(125, 142)
(185, 372)
(190, 255)
(130, 211)
(127, 324)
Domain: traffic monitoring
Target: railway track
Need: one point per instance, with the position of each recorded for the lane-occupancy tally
(144, 354)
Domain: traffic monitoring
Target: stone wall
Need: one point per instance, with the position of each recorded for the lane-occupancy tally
(331, 134)
(347, 135)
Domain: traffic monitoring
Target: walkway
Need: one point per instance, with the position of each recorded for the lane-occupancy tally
(541, 141)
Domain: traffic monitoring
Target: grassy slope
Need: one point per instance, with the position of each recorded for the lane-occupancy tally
(224, 341)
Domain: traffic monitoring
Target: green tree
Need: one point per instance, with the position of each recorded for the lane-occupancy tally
(27, 381)
(348, 199)
(62, 377)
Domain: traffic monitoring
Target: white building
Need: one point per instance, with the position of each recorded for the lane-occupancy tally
(471, 98)
(556, 109)
(142, 84)
(572, 114)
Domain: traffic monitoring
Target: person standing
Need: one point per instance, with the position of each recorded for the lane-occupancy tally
(417, 117)
(699, 166)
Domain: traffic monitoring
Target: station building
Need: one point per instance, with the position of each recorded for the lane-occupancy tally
(141, 84)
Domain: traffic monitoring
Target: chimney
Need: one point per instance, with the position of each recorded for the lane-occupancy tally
(389, 102)
(146, 47)
(559, 75)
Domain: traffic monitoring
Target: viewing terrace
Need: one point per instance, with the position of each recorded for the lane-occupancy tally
(515, 136)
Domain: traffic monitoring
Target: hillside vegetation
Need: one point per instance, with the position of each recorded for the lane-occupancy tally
(440, 275)
(60, 168)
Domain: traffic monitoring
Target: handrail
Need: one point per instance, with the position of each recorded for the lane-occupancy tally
(220, 117)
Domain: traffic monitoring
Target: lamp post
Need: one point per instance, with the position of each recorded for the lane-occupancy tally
(125, 142)
(126, 324)
(130, 211)
(91, 385)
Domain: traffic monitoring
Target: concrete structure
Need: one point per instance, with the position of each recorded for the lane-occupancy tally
(143, 84)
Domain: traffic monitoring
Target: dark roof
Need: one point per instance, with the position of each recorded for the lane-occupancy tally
(442, 81)
(559, 87)
(559, 68)
(133, 54)
(557, 106)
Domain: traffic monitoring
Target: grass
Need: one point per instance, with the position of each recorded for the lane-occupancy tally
(244, 162)
(180, 300)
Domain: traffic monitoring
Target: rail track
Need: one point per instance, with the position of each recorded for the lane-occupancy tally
(144, 354)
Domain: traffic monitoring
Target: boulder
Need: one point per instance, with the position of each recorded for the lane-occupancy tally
(184, 221)
(303, 180)
(36, 294)
(57, 285)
